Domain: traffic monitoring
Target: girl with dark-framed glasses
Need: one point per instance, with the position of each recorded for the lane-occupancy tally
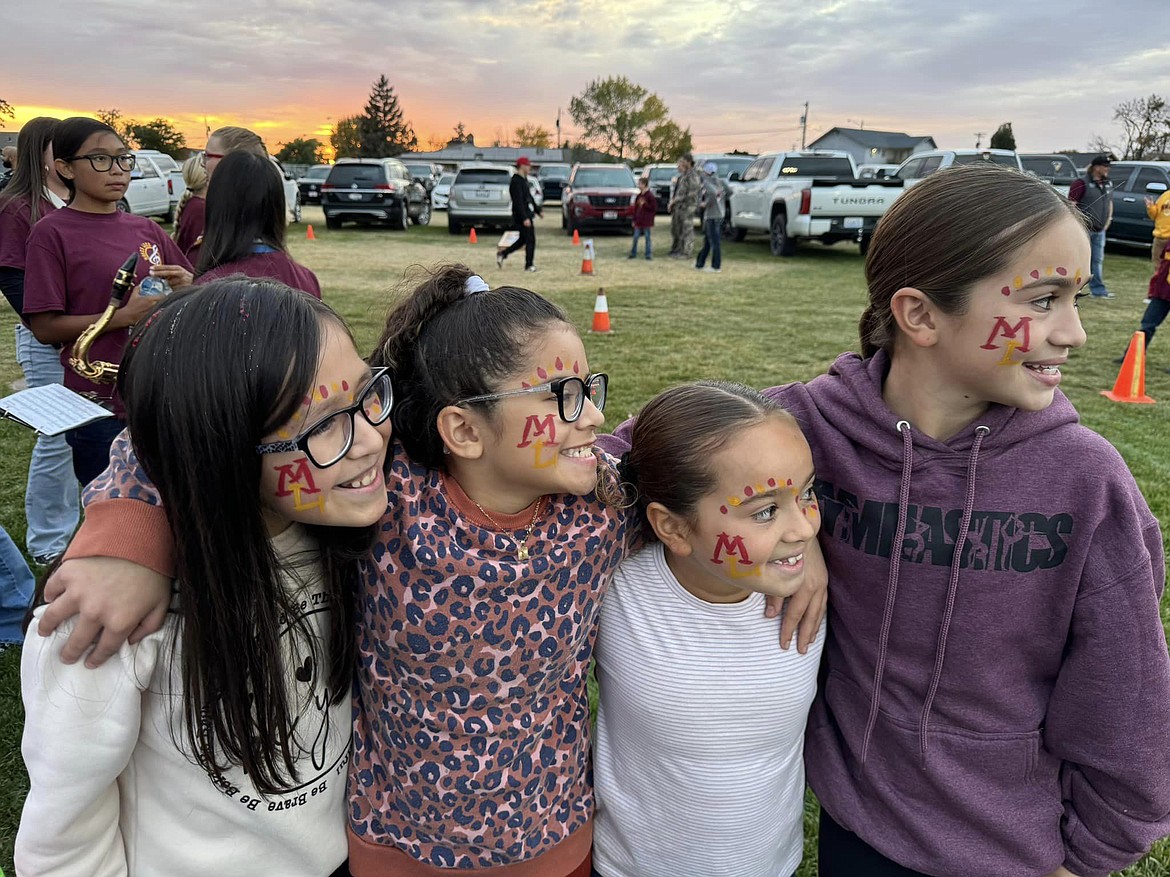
(72, 259)
(219, 744)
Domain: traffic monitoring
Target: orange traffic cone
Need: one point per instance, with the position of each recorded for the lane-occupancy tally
(576, 238)
(471, 238)
(587, 258)
(309, 236)
(1131, 380)
(601, 314)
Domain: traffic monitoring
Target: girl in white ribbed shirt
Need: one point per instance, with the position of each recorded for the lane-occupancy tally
(698, 756)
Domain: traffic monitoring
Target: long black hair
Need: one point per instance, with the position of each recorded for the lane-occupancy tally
(209, 373)
(28, 177)
(245, 206)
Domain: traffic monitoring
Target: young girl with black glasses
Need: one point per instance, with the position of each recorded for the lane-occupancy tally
(219, 745)
(73, 257)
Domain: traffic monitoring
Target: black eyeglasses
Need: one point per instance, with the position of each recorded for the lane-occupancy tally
(571, 393)
(328, 440)
(101, 162)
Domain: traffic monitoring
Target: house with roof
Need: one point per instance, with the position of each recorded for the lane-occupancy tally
(873, 147)
(454, 154)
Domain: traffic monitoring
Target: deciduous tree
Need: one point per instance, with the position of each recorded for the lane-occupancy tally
(6, 109)
(461, 136)
(665, 142)
(1145, 124)
(157, 134)
(533, 135)
(617, 115)
(1003, 138)
(346, 137)
(301, 151)
(383, 131)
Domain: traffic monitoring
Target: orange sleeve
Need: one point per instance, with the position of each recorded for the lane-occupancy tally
(129, 530)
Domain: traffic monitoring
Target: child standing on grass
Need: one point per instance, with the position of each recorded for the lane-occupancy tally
(72, 259)
(219, 745)
(645, 208)
(1002, 704)
(724, 480)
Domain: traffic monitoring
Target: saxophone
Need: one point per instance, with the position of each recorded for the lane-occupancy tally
(103, 372)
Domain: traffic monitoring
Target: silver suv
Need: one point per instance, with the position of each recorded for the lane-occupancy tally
(367, 190)
(479, 197)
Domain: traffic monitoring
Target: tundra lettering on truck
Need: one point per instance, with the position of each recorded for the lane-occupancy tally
(812, 195)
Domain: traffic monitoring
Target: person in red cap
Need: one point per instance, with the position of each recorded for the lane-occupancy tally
(524, 213)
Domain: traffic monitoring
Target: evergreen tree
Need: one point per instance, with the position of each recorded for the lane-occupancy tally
(1003, 138)
(383, 131)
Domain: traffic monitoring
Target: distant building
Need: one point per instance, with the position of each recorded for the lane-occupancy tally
(461, 153)
(873, 147)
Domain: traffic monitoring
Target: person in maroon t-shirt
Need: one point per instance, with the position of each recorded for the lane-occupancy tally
(645, 206)
(190, 212)
(50, 497)
(221, 143)
(73, 256)
(246, 225)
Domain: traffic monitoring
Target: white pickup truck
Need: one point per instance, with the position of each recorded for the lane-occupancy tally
(811, 195)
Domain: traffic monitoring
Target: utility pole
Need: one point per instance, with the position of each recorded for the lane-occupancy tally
(558, 127)
(803, 124)
(978, 138)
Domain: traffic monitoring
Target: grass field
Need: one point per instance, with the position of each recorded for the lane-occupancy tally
(762, 321)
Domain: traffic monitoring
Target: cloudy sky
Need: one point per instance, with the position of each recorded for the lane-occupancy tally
(736, 72)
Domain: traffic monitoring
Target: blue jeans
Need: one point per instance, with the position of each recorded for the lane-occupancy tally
(639, 233)
(50, 498)
(711, 227)
(1096, 258)
(16, 589)
(91, 447)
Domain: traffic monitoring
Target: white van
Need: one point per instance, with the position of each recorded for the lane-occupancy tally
(922, 164)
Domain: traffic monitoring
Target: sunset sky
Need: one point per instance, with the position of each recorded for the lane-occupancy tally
(735, 72)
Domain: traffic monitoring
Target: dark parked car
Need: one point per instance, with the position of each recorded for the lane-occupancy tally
(367, 190)
(310, 184)
(661, 181)
(598, 196)
(426, 173)
(552, 179)
(1133, 182)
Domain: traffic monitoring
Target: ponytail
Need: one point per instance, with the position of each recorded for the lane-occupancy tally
(443, 344)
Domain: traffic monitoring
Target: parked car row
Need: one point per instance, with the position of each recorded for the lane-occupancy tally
(369, 190)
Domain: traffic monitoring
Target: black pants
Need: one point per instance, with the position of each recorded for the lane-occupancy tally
(841, 853)
(527, 240)
(91, 447)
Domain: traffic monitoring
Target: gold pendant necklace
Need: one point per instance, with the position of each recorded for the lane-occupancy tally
(522, 546)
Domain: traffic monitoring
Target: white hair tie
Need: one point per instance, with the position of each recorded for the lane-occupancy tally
(474, 284)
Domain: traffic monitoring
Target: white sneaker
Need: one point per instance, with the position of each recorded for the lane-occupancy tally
(710, 270)
(499, 258)
(531, 268)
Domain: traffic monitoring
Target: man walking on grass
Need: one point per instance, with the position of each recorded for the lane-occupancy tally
(524, 213)
(682, 208)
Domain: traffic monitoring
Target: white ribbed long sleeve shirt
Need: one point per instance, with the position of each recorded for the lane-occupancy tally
(700, 731)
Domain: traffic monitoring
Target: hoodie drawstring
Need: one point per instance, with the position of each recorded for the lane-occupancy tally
(903, 427)
(953, 589)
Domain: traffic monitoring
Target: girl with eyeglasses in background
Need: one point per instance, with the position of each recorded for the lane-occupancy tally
(219, 744)
(221, 143)
(73, 257)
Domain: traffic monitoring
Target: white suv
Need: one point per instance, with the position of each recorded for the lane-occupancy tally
(922, 164)
(479, 196)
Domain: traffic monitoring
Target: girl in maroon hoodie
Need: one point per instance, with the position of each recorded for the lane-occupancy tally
(995, 691)
(645, 206)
